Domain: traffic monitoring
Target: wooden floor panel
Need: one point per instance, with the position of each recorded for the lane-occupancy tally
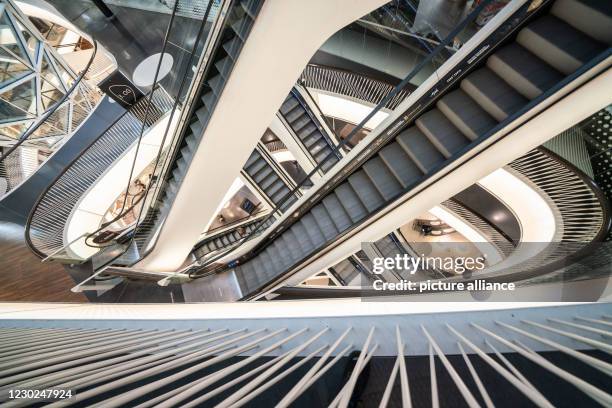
(24, 278)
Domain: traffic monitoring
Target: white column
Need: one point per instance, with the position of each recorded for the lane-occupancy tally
(284, 37)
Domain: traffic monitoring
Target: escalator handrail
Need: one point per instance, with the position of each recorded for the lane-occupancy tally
(51, 111)
(336, 150)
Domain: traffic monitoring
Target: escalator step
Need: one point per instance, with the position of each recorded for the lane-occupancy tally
(293, 246)
(311, 138)
(382, 178)
(172, 188)
(441, 132)
(275, 188)
(283, 253)
(224, 66)
(187, 153)
(296, 113)
(594, 18)
(368, 194)
(326, 154)
(203, 114)
(559, 44)
(337, 212)
(182, 166)
(266, 178)
(242, 27)
(325, 223)
(192, 141)
(256, 167)
(290, 104)
(420, 149)
(216, 84)
(289, 202)
(248, 275)
(351, 202)
(165, 207)
(318, 147)
(240, 278)
(299, 124)
(267, 263)
(259, 269)
(253, 158)
(313, 230)
(196, 129)
(465, 114)
(492, 93)
(282, 194)
(525, 72)
(400, 164)
(209, 99)
(232, 47)
(329, 163)
(302, 236)
(250, 7)
(275, 262)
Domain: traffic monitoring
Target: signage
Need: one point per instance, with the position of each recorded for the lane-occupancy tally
(121, 89)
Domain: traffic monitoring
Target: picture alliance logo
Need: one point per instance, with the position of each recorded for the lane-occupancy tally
(123, 92)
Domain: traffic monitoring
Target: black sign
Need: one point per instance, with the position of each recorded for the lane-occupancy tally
(121, 89)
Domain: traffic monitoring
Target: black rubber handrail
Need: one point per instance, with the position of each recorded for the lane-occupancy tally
(51, 111)
(336, 150)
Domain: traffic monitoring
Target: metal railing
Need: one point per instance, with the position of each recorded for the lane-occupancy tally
(423, 359)
(351, 84)
(490, 232)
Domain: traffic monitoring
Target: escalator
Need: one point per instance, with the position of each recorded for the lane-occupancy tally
(228, 238)
(550, 48)
(239, 22)
(308, 130)
(268, 179)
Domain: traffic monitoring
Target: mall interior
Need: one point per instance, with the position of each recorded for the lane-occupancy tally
(197, 199)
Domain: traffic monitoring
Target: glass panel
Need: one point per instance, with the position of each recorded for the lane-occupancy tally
(56, 124)
(8, 38)
(48, 72)
(20, 102)
(65, 76)
(11, 68)
(31, 42)
(49, 94)
(14, 131)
